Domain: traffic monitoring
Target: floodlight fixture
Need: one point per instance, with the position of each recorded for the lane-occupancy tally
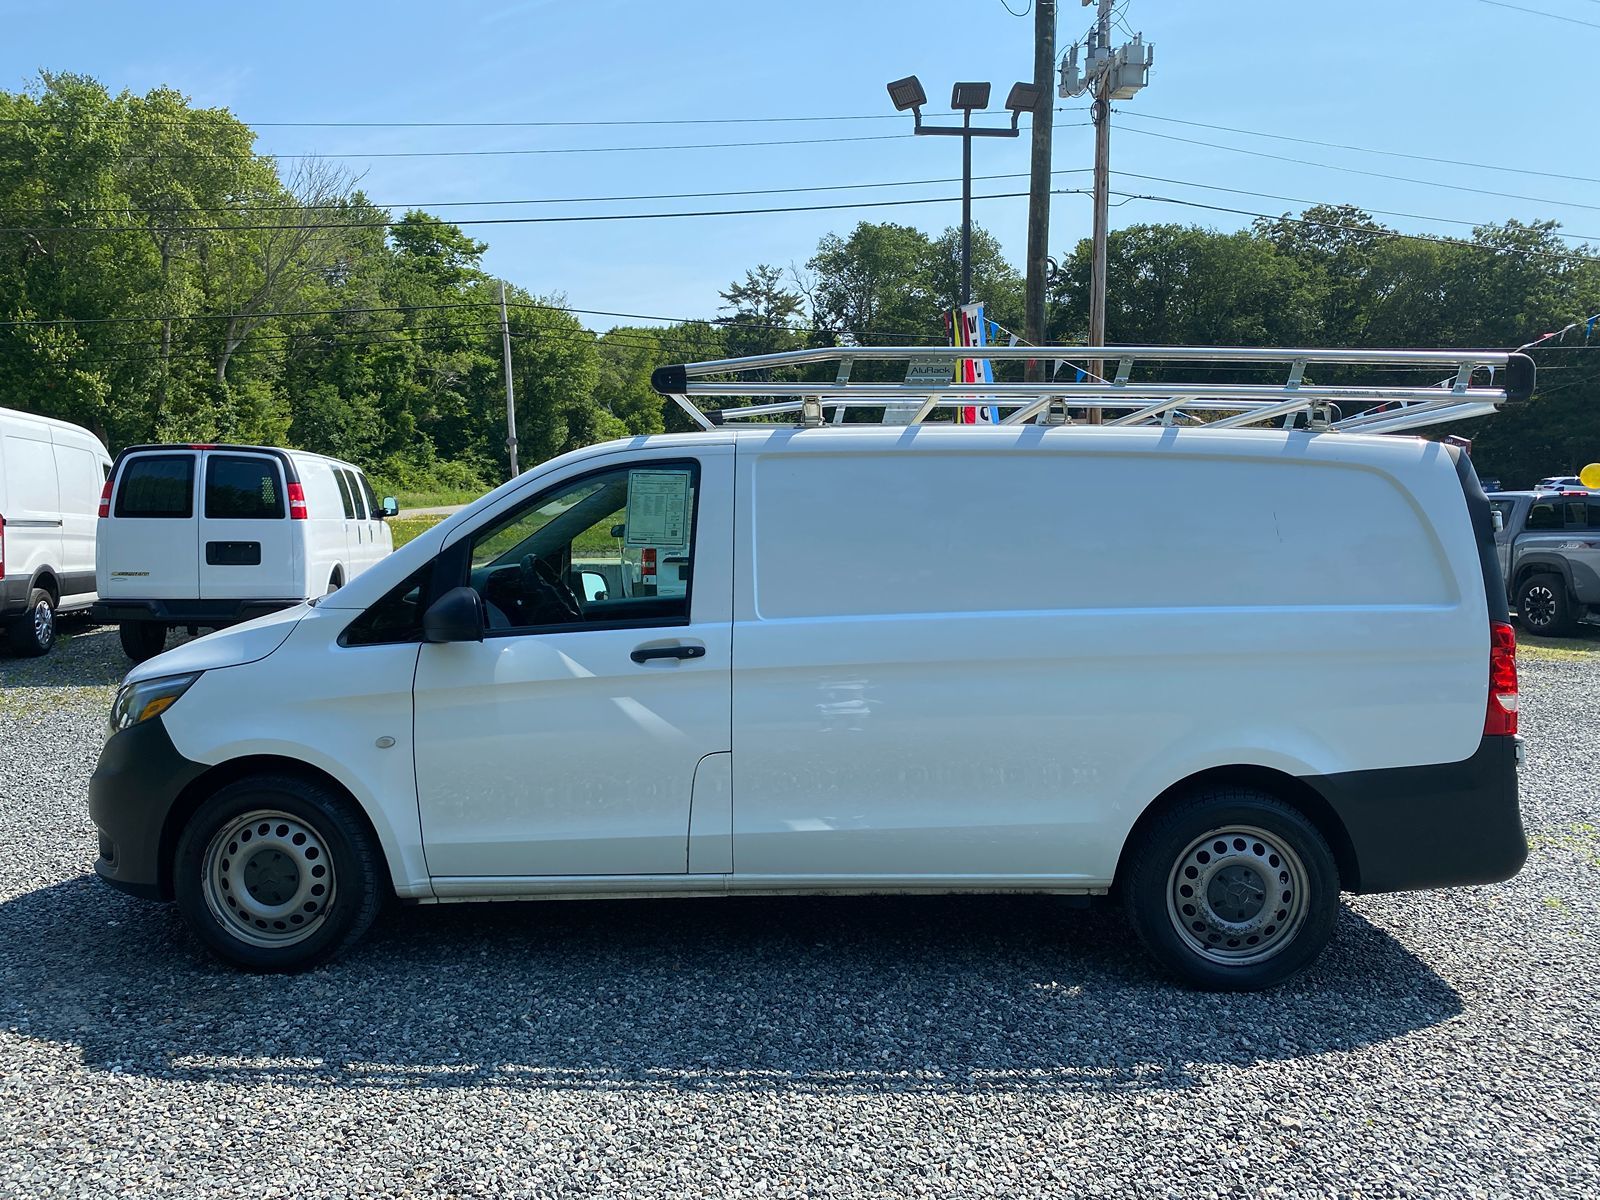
(969, 97)
(1024, 97)
(907, 93)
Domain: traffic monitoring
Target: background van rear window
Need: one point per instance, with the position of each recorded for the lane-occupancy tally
(157, 485)
(243, 487)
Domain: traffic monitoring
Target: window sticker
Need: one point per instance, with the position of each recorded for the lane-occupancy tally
(658, 508)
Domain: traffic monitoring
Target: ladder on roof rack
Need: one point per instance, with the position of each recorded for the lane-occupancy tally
(928, 385)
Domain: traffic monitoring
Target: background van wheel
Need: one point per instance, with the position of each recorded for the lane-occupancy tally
(1232, 889)
(1545, 607)
(277, 873)
(335, 581)
(33, 632)
(142, 639)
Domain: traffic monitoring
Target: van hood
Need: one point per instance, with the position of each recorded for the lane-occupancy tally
(231, 647)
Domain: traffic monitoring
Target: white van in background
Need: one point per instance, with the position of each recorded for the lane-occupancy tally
(51, 473)
(206, 536)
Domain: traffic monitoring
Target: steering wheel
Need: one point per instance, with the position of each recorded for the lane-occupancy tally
(547, 595)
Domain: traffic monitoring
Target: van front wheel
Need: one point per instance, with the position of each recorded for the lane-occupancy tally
(142, 639)
(1233, 890)
(277, 873)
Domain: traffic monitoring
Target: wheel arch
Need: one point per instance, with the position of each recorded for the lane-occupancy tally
(45, 577)
(203, 786)
(1543, 564)
(1290, 789)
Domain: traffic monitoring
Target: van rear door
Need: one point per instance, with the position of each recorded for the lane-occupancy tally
(247, 539)
(146, 548)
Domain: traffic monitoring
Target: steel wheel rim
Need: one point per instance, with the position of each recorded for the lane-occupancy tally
(268, 878)
(44, 622)
(1238, 895)
(1539, 606)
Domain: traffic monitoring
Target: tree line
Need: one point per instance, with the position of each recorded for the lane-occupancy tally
(161, 280)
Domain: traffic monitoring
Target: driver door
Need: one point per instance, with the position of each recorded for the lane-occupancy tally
(566, 742)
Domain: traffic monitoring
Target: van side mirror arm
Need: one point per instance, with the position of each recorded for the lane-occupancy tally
(456, 616)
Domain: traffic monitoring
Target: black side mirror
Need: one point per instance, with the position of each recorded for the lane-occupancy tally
(456, 616)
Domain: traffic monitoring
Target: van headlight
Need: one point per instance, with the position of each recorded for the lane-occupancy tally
(148, 698)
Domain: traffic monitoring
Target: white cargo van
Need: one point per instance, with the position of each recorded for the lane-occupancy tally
(914, 659)
(51, 474)
(206, 536)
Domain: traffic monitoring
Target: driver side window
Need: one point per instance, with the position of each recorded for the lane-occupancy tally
(613, 548)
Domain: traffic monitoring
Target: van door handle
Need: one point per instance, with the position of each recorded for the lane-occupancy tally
(646, 653)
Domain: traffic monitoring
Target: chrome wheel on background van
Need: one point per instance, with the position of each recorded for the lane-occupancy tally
(34, 631)
(277, 873)
(1232, 888)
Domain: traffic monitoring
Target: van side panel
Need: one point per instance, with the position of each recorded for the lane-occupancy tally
(982, 654)
(79, 476)
(33, 506)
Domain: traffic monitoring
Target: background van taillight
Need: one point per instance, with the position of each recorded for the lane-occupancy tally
(1501, 718)
(297, 503)
(105, 499)
(647, 564)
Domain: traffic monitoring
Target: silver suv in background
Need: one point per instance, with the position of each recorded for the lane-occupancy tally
(1549, 547)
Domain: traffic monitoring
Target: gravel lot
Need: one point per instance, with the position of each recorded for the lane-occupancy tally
(1446, 1045)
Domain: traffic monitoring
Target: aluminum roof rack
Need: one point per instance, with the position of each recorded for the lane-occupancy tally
(927, 385)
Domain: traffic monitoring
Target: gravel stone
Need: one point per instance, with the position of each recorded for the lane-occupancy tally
(1445, 1045)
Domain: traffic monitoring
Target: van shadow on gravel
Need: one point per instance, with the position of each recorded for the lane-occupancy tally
(936, 994)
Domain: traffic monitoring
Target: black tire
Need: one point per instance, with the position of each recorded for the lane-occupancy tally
(335, 581)
(1545, 607)
(142, 639)
(1226, 945)
(34, 631)
(310, 827)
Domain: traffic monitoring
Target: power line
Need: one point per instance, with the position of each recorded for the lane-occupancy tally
(41, 119)
(1538, 13)
(1142, 115)
(1306, 162)
(556, 220)
(1363, 229)
(346, 205)
(1301, 200)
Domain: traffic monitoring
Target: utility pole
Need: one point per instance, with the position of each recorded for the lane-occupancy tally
(1100, 114)
(511, 400)
(1107, 75)
(1044, 66)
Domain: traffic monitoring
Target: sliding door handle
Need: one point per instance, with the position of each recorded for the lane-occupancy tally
(646, 653)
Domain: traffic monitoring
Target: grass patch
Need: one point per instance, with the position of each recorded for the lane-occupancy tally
(436, 499)
(1544, 649)
(403, 529)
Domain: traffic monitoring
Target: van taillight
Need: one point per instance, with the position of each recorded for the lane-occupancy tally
(297, 503)
(647, 564)
(1501, 718)
(105, 499)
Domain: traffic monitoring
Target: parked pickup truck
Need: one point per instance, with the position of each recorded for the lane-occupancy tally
(1549, 546)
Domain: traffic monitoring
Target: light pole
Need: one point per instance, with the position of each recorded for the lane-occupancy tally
(966, 98)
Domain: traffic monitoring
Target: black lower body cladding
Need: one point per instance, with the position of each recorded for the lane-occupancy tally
(1441, 825)
(137, 781)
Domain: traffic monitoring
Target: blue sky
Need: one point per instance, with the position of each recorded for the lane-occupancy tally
(1453, 79)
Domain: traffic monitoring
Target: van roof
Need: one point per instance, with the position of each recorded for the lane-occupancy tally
(282, 452)
(52, 422)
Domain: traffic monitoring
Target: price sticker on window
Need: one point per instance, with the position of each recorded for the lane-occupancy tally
(658, 508)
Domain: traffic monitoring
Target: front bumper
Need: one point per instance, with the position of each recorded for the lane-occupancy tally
(1442, 825)
(132, 793)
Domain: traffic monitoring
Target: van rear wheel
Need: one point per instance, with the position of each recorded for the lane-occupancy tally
(142, 639)
(1233, 890)
(277, 873)
(1545, 607)
(34, 632)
